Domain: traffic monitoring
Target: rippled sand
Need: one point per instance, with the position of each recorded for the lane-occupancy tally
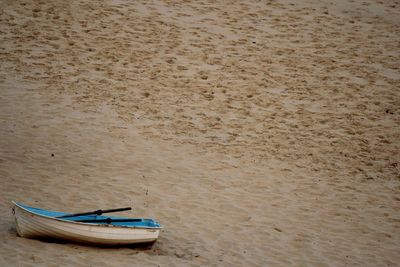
(258, 132)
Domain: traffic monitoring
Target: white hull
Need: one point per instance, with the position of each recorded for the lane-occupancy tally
(32, 225)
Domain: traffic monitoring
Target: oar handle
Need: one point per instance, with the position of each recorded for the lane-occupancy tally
(99, 212)
(96, 212)
(109, 220)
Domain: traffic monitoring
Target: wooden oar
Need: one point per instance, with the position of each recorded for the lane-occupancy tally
(96, 212)
(109, 220)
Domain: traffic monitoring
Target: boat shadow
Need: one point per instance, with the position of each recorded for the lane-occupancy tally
(138, 246)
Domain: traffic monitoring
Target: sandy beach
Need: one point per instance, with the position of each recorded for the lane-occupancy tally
(259, 133)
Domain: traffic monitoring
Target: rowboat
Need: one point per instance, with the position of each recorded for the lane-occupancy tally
(89, 227)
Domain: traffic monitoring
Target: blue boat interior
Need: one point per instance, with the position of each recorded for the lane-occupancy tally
(97, 219)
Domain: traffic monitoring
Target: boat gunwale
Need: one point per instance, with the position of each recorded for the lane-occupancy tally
(83, 223)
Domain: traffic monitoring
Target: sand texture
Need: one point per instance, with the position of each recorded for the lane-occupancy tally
(259, 133)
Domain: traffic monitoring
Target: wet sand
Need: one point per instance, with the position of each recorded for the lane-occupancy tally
(257, 133)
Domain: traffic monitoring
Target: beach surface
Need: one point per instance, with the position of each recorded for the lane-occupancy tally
(259, 133)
